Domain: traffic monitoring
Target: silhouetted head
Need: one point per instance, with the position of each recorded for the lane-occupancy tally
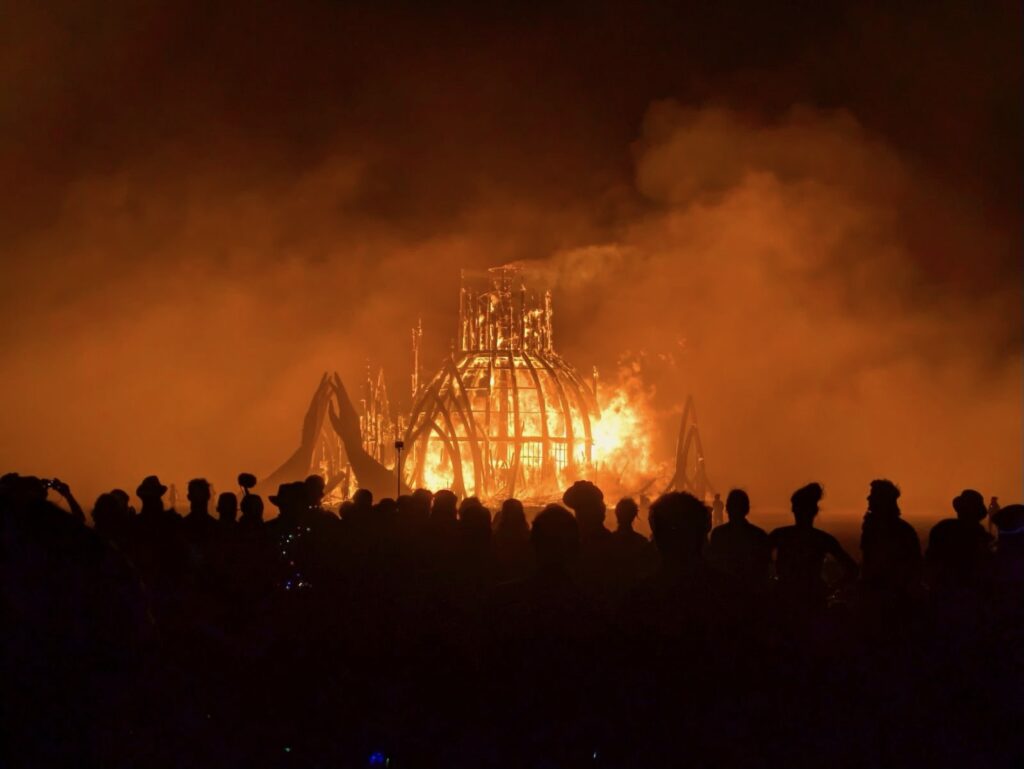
(199, 493)
(252, 508)
(315, 486)
(1009, 521)
(122, 497)
(422, 498)
(227, 507)
(555, 537)
(475, 522)
(21, 490)
(587, 500)
(737, 505)
(805, 501)
(405, 504)
(718, 497)
(469, 503)
(108, 514)
(970, 506)
(679, 525)
(444, 508)
(290, 499)
(150, 491)
(363, 499)
(882, 498)
(626, 512)
(510, 522)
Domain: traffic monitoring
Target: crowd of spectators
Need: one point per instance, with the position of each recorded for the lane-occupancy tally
(424, 632)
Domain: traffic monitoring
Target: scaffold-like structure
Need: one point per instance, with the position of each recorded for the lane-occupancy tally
(505, 415)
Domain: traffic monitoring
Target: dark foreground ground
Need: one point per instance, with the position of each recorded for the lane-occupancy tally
(409, 636)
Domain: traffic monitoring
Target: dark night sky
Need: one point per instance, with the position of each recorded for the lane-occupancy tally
(205, 204)
(454, 96)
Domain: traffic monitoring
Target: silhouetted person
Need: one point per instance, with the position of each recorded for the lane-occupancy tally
(74, 618)
(959, 555)
(443, 526)
(252, 511)
(800, 552)
(592, 567)
(626, 511)
(555, 539)
(125, 501)
(475, 524)
(631, 554)
(199, 525)
(290, 534)
(716, 510)
(682, 590)
(511, 541)
(110, 518)
(291, 502)
(420, 509)
(474, 551)
(543, 638)
(315, 489)
(680, 526)
(739, 548)
(671, 626)
(227, 509)
(359, 515)
(157, 549)
(1009, 551)
(152, 514)
(587, 501)
(255, 552)
(444, 510)
(363, 499)
(889, 545)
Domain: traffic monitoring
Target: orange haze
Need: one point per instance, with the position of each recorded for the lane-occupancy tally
(838, 302)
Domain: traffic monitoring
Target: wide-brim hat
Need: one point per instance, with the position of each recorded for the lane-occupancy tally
(289, 494)
(151, 487)
(968, 497)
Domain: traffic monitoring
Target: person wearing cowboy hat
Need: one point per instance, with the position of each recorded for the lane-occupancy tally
(958, 555)
(151, 492)
(290, 499)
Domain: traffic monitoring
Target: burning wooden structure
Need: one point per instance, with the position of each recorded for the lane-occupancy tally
(505, 415)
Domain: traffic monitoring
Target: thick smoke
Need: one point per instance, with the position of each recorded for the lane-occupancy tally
(209, 211)
(774, 281)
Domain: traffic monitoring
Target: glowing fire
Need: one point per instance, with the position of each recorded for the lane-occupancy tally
(622, 437)
(507, 416)
(622, 451)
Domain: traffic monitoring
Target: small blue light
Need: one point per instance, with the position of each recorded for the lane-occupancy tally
(377, 759)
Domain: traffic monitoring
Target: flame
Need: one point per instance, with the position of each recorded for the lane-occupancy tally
(620, 456)
(623, 455)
